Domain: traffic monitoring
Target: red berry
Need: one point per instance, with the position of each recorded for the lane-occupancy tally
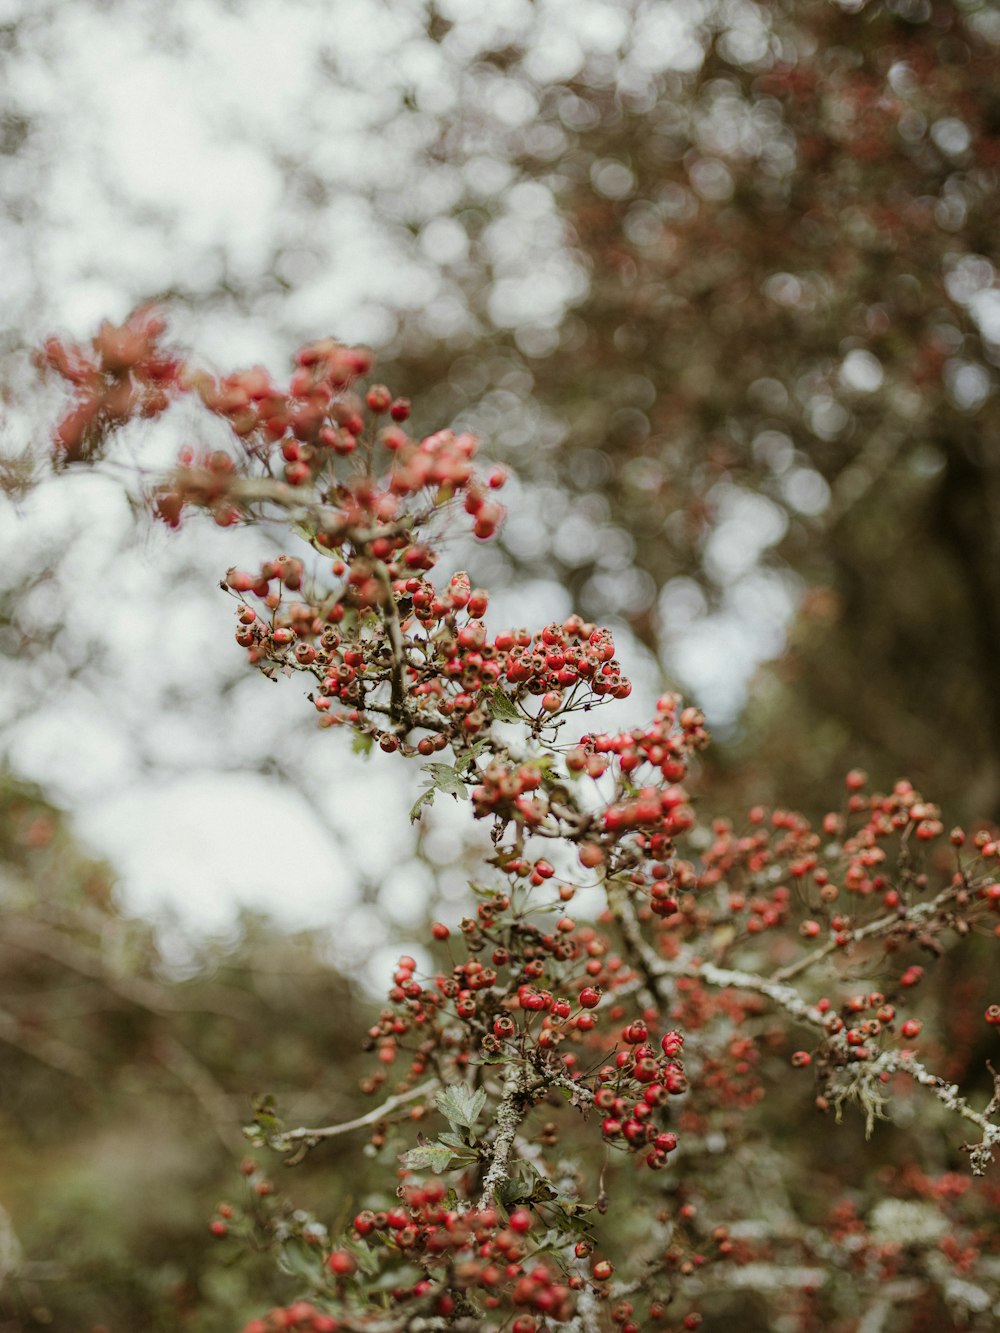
(341, 1263)
(671, 1044)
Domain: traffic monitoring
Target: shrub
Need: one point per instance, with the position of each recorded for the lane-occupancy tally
(595, 1147)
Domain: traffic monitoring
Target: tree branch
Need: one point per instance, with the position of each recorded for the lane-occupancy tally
(306, 1135)
(510, 1112)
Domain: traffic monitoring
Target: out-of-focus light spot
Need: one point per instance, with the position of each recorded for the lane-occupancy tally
(805, 490)
(712, 179)
(747, 525)
(968, 384)
(612, 179)
(861, 371)
(951, 135)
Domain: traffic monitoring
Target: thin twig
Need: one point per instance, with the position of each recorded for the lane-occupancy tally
(213, 1098)
(391, 1104)
(390, 618)
(882, 925)
(50, 1050)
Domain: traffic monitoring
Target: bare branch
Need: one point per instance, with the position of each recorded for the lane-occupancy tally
(305, 1135)
(212, 1097)
(50, 1050)
(882, 925)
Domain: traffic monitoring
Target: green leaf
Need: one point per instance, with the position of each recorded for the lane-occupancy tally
(367, 1259)
(460, 1105)
(297, 1261)
(499, 1058)
(448, 779)
(501, 706)
(426, 797)
(433, 1155)
(265, 1119)
(362, 744)
(514, 1191)
(453, 1141)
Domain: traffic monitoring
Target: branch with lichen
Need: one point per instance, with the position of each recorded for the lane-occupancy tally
(509, 1114)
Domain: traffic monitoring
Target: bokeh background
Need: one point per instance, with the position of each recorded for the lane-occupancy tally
(716, 280)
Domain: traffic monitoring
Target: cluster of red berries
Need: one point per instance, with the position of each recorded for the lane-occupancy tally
(503, 998)
(649, 809)
(302, 430)
(301, 1317)
(319, 420)
(445, 674)
(821, 866)
(638, 1084)
(658, 751)
(859, 1034)
(125, 374)
(559, 657)
(414, 667)
(459, 1251)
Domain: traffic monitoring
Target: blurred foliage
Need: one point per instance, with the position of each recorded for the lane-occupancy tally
(125, 1078)
(779, 383)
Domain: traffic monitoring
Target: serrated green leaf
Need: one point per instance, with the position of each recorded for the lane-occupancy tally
(426, 797)
(433, 1155)
(453, 1141)
(501, 706)
(448, 779)
(361, 744)
(460, 1105)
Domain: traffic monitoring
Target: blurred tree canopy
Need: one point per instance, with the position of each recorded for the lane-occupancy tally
(779, 382)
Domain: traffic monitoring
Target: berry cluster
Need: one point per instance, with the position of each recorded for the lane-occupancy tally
(300, 1317)
(721, 931)
(465, 1251)
(635, 1086)
(124, 374)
